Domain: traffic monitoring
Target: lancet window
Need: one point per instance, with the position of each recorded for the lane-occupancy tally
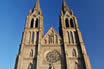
(32, 23)
(67, 23)
(32, 37)
(36, 25)
(71, 37)
(71, 22)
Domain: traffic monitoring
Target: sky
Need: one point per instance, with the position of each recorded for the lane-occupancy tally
(89, 13)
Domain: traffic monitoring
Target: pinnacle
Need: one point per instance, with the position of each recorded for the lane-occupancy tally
(37, 5)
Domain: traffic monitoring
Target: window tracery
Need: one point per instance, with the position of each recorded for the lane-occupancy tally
(52, 57)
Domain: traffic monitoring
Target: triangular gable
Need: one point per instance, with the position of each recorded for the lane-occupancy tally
(51, 37)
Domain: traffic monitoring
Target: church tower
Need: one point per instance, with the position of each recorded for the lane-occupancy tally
(33, 33)
(52, 51)
(74, 48)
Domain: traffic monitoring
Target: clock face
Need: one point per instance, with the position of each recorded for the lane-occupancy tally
(52, 57)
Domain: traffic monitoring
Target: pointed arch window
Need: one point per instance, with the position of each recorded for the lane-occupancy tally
(31, 53)
(71, 22)
(68, 36)
(32, 23)
(36, 26)
(76, 37)
(71, 37)
(74, 53)
(30, 66)
(67, 22)
(32, 37)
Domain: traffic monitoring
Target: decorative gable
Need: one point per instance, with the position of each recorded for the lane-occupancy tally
(51, 38)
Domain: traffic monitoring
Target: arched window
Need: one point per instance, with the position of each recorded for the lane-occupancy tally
(74, 53)
(32, 23)
(30, 66)
(32, 37)
(31, 53)
(71, 37)
(68, 36)
(71, 22)
(67, 23)
(36, 25)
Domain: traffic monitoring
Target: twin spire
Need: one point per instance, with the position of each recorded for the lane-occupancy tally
(64, 6)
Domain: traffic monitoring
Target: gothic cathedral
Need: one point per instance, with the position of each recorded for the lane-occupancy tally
(52, 51)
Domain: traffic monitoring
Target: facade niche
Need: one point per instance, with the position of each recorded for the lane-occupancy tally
(71, 22)
(31, 53)
(74, 53)
(67, 23)
(32, 23)
(36, 25)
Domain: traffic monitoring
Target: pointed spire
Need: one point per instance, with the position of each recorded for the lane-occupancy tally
(37, 5)
(64, 6)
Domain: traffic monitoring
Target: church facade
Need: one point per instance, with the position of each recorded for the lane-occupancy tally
(65, 50)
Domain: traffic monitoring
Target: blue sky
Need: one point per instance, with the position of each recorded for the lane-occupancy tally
(90, 15)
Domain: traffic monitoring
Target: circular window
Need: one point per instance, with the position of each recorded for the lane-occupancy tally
(52, 57)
